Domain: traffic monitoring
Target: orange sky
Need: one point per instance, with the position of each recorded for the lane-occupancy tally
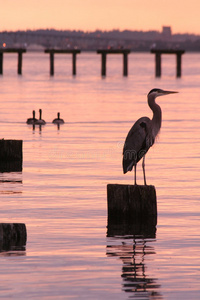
(89, 15)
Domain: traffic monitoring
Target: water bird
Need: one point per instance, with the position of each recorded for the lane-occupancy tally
(142, 135)
(32, 120)
(40, 121)
(58, 120)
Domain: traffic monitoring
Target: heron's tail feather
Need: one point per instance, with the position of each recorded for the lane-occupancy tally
(127, 163)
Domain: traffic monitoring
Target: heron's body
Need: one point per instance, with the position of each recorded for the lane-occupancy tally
(40, 121)
(58, 120)
(137, 143)
(32, 120)
(142, 134)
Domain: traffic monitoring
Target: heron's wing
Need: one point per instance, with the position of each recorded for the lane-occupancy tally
(137, 143)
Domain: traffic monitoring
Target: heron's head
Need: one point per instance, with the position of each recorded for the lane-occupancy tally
(158, 92)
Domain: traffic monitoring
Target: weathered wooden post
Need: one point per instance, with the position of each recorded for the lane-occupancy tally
(20, 51)
(125, 64)
(51, 63)
(158, 53)
(132, 206)
(13, 236)
(74, 63)
(11, 155)
(10, 150)
(178, 64)
(103, 64)
(1, 63)
(74, 52)
(104, 53)
(19, 63)
(158, 64)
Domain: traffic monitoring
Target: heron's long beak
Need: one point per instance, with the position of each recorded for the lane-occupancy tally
(168, 92)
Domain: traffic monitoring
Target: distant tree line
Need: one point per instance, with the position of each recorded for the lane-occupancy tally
(134, 40)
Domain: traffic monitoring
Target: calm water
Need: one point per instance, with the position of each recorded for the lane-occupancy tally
(61, 193)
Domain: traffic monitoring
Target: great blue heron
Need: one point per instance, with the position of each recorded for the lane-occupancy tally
(32, 120)
(40, 121)
(58, 120)
(142, 135)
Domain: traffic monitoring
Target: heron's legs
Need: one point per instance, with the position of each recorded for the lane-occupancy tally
(143, 167)
(135, 174)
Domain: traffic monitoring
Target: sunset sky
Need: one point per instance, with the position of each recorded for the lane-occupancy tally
(89, 15)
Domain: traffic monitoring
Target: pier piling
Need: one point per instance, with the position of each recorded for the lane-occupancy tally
(131, 203)
(11, 155)
(20, 51)
(104, 53)
(74, 53)
(13, 236)
(159, 52)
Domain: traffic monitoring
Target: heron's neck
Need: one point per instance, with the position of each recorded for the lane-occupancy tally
(157, 115)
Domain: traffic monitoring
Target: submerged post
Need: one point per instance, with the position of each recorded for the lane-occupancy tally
(158, 53)
(133, 203)
(178, 64)
(125, 63)
(19, 63)
(20, 51)
(103, 64)
(74, 63)
(13, 236)
(158, 64)
(1, 63)
(51, 63)
(104, 52)
(11, 155)
(74, 52)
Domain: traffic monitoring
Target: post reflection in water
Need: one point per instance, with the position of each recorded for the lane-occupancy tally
(132, 244)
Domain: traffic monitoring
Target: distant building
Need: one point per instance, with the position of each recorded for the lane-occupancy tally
(166, 33)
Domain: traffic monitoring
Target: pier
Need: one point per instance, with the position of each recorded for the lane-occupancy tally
(104, 53)
(159, 52)
(20, 51)
(52, 52)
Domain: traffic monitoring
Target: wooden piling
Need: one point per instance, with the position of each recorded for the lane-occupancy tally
(125, 64)
(132, 203)
(11, 155)
(20, 51)
(178, 65)
(11, 150)
(51, 63)
(158, 64)
(103, 64)
(1, 63)
(19, 63)
(104, 53)
(74, 63)
(158, 53)
(74, 53)
(13, 236)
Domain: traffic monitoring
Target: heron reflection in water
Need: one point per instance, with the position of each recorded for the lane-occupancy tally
(142, 135)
